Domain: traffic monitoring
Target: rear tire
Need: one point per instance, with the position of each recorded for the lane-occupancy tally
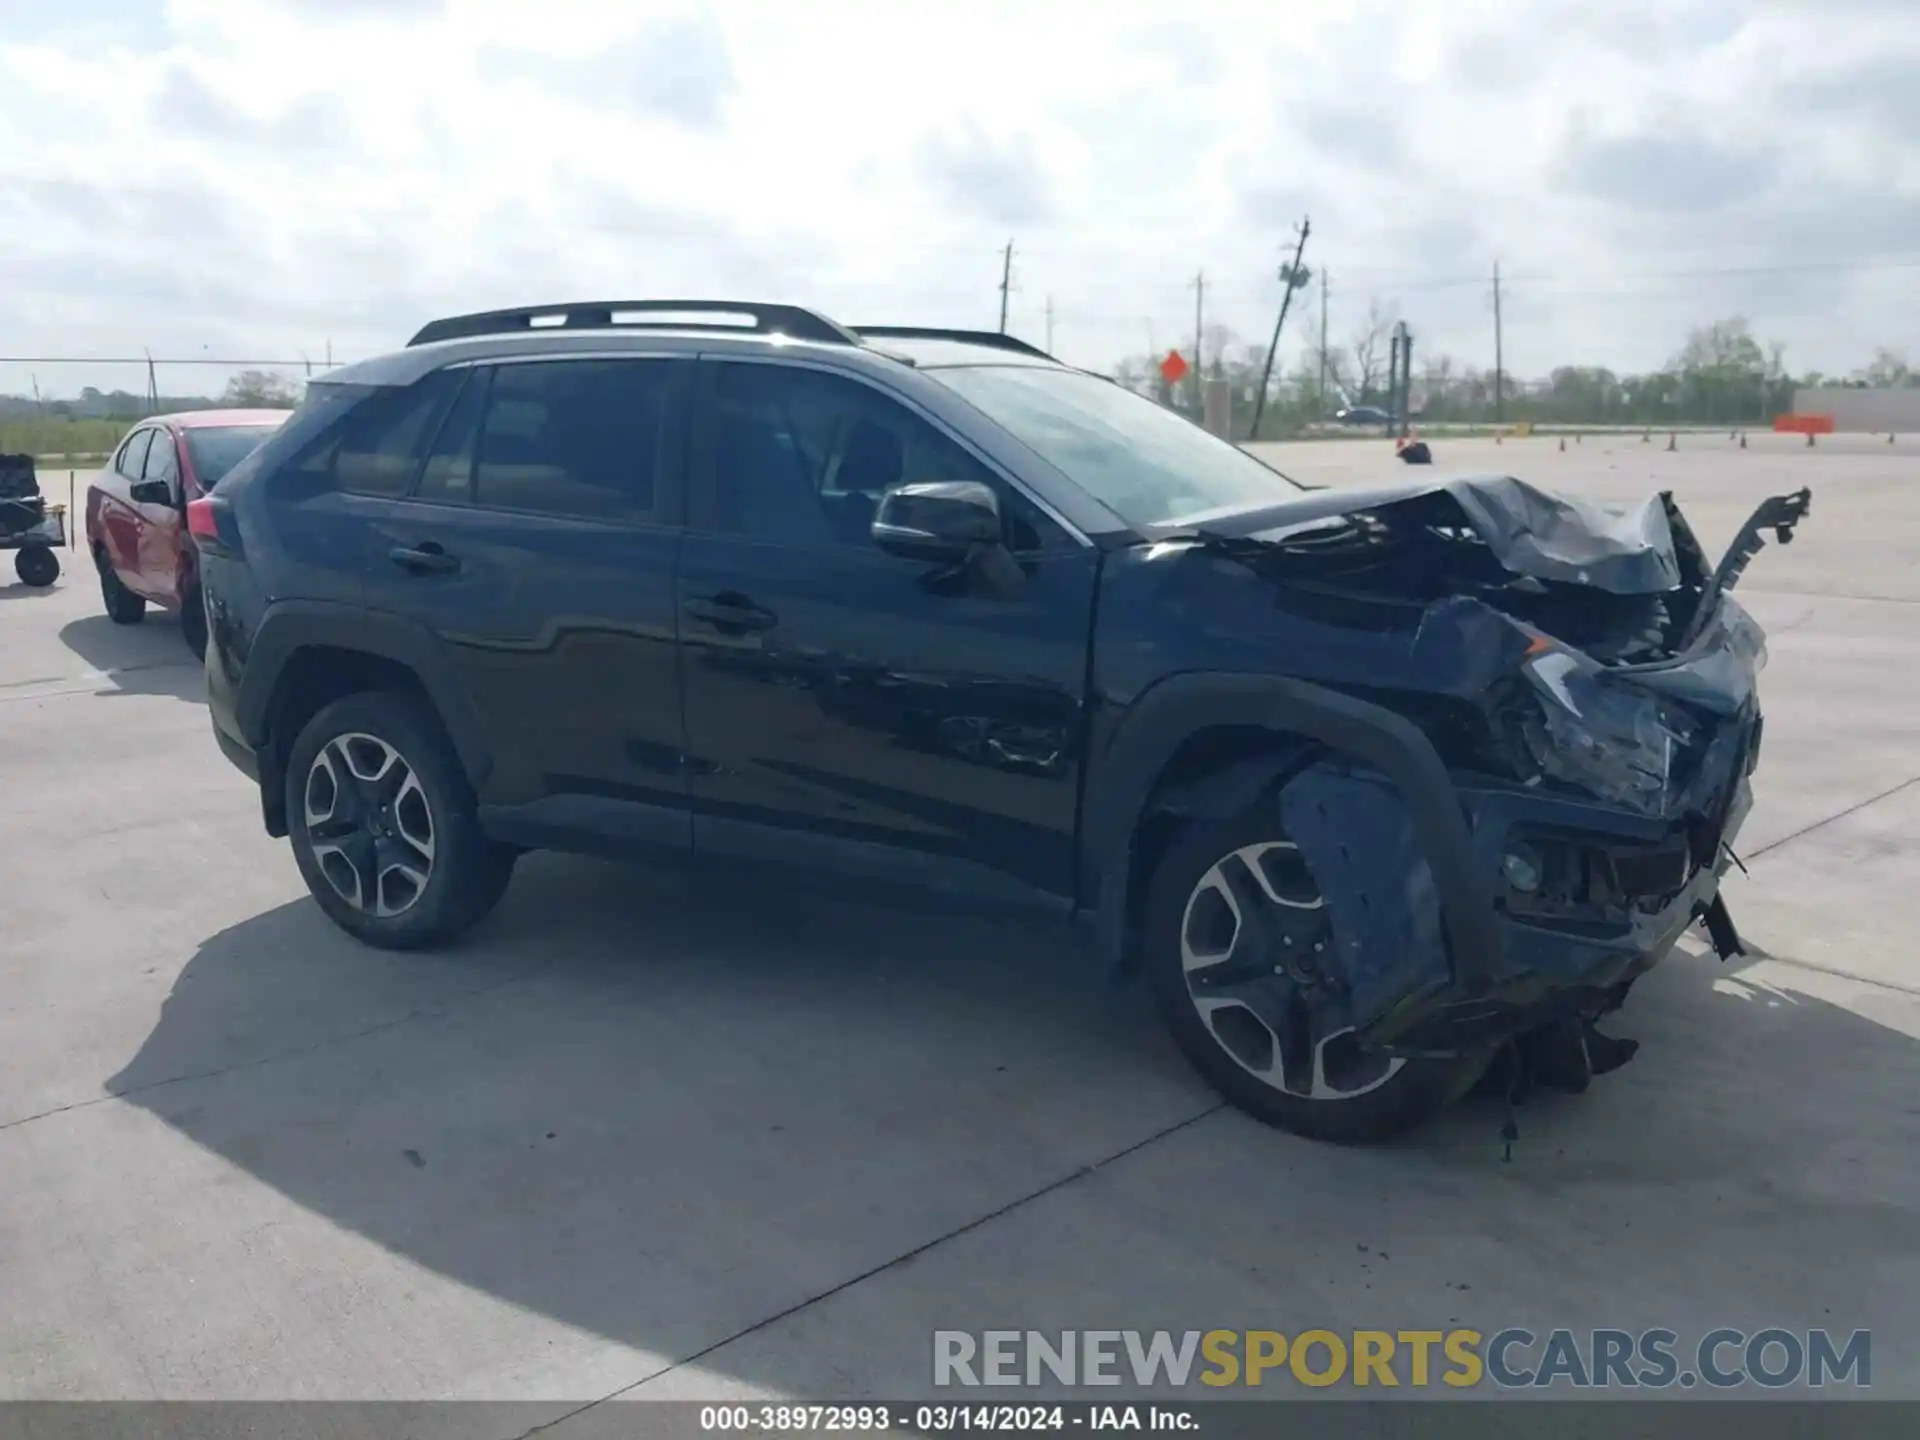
(123, 606)
(37, 565)
(384, 825)
(1322, 1086)
(193, 622)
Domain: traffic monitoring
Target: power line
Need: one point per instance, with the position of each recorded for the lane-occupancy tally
(1388, 281)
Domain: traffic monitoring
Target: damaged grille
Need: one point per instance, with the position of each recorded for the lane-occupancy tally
(1600, 884)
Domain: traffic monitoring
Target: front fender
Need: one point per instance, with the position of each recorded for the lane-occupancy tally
(1122, 777)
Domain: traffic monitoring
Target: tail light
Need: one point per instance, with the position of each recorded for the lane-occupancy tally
(201, 523)
(210, 522)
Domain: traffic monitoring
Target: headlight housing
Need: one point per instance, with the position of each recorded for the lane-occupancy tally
(1613, 740)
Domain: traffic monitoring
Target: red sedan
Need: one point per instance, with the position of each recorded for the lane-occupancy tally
(137, 509)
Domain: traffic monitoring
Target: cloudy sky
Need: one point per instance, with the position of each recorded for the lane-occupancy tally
(265, 178)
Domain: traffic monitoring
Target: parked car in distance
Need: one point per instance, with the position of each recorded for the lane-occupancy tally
(1369, 785)
(137, 507)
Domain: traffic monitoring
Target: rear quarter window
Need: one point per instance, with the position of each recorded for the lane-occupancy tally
(360, 440)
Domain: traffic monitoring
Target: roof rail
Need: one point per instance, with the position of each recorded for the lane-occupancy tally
(790, 320)
(994, 339)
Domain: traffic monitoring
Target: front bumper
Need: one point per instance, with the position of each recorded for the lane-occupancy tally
(1579, 960)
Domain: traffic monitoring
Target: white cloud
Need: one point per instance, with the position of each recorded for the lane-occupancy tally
(215, 176)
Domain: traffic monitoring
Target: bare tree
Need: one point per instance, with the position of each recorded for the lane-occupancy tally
(1887, 368)
(1369, 351)
(261, 389)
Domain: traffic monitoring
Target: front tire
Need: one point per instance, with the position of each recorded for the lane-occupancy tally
(37, 565)
(123, 606)
(384, 825)
(1238, 951)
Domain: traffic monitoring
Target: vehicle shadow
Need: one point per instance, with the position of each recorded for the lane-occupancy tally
(659, 1105)
(663, 1108)
(150, 658)
(12, 589)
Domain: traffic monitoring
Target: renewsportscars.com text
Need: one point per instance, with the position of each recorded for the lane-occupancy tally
(1770, 1358)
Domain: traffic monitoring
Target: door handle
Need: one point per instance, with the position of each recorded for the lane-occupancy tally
(427, 558)
(731, 614)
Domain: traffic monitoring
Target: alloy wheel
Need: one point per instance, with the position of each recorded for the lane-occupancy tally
(369, 824)
(1257, 948)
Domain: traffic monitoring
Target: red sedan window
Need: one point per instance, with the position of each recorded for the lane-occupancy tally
(215, 451)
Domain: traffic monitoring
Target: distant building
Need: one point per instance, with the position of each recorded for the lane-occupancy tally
(1862, 409)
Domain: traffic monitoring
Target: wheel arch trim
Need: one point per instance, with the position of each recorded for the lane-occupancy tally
(1122, 783)
(291, 626)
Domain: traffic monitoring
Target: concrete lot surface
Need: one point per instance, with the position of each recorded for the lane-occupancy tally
(656, 1136)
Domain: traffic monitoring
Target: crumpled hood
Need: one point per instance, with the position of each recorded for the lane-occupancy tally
(1629, 551)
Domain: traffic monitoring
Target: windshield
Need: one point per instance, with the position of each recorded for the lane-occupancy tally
(216, 451)
(1145, 463)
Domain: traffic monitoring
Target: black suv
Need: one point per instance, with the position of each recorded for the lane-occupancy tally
(1370, 785)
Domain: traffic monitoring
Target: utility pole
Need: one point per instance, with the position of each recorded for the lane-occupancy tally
(1199, 305)
(1321, 398)
(1393, 376)
(1006, 283)
(1499, 355)
(1400, 382)
(1049, 324)
(1293, 276)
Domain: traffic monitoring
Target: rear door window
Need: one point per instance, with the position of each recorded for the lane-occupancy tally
(583, 439)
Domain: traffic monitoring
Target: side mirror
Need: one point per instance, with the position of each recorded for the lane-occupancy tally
(151, 492)
(937, 520)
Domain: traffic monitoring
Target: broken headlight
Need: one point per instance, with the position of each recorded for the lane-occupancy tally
(1615, 741)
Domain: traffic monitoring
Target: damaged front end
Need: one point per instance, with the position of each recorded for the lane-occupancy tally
(1590, 685)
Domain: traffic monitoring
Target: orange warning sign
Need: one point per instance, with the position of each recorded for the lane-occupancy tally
(1174, 367)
